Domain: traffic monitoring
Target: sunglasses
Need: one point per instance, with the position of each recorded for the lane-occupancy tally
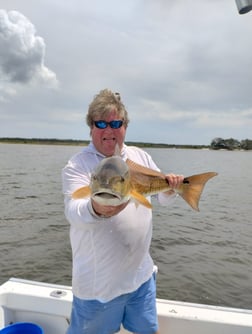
(115, 124)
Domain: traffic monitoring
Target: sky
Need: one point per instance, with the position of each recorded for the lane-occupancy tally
(183, 68)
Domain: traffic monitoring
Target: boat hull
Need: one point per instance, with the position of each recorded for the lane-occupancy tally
(49, 306)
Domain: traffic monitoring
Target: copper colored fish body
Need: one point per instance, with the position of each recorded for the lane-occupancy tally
(115, 181)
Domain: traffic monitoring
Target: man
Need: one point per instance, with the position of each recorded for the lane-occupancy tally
(113, 280)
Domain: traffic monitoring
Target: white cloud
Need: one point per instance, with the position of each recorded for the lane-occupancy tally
(22, 53)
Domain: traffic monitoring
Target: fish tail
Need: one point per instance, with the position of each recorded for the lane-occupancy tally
(192, 188)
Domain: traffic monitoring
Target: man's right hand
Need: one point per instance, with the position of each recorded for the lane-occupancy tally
(106, 211)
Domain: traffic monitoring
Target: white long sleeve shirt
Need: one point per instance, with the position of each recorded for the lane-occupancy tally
(110, 255)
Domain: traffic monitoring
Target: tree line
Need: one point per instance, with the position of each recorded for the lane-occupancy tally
(216, 144)
(231, 144)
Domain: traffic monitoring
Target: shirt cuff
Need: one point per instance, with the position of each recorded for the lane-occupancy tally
(93, 213)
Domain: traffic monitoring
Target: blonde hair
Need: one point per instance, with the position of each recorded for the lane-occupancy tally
(103, 103)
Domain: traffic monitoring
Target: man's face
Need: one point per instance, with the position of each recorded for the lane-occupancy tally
(105, 140)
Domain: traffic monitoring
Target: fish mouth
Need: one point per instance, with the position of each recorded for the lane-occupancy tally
(106, 195)
(108, 198)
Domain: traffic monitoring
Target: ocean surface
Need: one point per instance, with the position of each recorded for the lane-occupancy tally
(203, 257)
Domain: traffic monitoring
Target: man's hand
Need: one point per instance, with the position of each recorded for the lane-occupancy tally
(107, 211)
(174, 182)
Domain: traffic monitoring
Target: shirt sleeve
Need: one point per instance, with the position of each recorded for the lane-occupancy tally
(77, 211)
(166, 199)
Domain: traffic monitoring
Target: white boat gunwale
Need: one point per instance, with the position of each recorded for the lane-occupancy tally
(49, 305)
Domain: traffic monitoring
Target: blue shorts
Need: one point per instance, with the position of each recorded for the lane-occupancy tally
(136, 311)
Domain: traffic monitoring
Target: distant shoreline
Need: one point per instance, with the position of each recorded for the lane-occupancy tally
(73, 142)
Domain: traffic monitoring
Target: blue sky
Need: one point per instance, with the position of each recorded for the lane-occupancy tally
(183, 68)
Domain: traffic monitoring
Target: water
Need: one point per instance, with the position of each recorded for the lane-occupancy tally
(203, 257)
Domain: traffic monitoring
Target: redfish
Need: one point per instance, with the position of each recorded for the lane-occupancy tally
(115, 181)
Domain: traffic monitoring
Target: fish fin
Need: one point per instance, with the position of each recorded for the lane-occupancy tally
(140, 198)
(82, 192)
(192, 188)
(135, 167)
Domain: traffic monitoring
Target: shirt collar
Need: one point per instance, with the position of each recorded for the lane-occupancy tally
(92, 149)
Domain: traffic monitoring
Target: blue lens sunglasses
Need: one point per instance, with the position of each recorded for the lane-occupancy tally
(115, 124)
